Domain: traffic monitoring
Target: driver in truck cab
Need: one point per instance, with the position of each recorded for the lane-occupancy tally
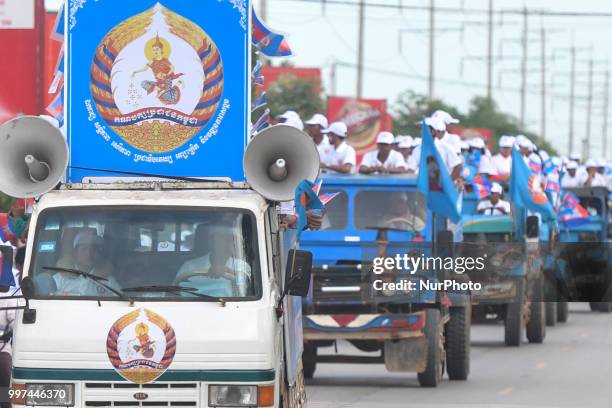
(87, 256)
(217, 271)
(494, 205)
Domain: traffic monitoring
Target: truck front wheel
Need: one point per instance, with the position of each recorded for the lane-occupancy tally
(513, 320)
(457, 341)
(309, 360)
(536, 326)
(433, 371)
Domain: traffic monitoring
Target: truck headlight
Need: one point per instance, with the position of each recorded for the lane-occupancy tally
(46, 394)
(232, 395)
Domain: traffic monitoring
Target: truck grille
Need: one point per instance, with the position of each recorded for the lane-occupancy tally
(124, 394)
(340, 285)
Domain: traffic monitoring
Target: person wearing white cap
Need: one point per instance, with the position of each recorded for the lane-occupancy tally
(494, 205)
(575, 156)
(315, 127)
(405, 148)
(412, 163)
(593, 178)
(384, 159)
(451, 139)
(482, 157)
(527, 149)
(571, 178)
(343, 157)
(291, 118)
(86, 256)
(502, 161)
(449, 156)
(399, 139)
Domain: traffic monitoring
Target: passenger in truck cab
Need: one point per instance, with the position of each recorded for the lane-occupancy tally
(87, 256)
(494, 205)
(217, 270)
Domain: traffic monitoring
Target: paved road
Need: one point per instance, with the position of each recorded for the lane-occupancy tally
(573, 368)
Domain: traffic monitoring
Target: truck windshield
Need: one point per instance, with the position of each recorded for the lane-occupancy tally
(146, 253)
(390, 209)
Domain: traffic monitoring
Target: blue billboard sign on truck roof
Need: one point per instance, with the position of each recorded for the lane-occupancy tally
(158, 87)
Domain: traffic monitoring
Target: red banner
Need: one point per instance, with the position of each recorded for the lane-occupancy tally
(365, 118)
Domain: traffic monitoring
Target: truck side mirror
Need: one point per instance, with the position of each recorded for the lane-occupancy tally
(298, 272)
(27, 287)
(533, 227)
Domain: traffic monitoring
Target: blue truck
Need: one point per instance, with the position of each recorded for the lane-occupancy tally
(585, 256)
(413, 328)
(512, 282)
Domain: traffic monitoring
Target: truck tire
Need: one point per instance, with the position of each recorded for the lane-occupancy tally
(433, 371)
(309, 360)
(294, 396)
(536, 326)
(457, 342)
(551, 313)
(603, 307)
(562, 311)
(513, 321)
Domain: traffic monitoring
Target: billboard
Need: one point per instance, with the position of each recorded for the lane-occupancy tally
(158, 87)
(365, 118)
(21, 38)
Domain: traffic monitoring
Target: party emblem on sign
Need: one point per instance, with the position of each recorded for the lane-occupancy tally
(535, 189)
(141, 346)
(157, 79)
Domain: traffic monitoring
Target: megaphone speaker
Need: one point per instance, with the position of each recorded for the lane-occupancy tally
(33, 157)
(278, 159)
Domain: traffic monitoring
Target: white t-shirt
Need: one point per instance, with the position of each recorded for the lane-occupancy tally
(73, 285)
(454, 141)
(412, 162)
(503, 165)
(486, 166)
(448, 155)
(343, 154)
(501, 208)
(394, 160)
(598, 180)
(325, 151)
(213, 286)
(569, 181)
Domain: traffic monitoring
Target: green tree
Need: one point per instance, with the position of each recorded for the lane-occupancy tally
(292, 93)
(411, 108)
(5, 202)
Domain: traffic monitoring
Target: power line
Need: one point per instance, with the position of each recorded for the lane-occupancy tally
(402, 7)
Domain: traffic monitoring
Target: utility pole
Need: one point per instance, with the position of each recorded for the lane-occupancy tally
(524, 68)
(432, 47)
(360, 49)
(263, 12)
(333, 76)
(572, 102)
(543, 130)
(587, 140)
(604, 130)
(490, 54)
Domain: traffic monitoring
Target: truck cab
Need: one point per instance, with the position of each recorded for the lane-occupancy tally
(158, 293)
(375, 218)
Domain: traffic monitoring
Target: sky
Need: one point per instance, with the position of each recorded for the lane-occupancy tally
(321, 35)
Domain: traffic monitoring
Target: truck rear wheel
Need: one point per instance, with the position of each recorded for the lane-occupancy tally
(433, 372)
(309, 360)
(457, 342)
(562, 312)
(551, 313)
(536, 326)
(604, 307)
(513, 321)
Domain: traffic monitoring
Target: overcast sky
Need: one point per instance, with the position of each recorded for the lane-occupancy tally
(320, 36)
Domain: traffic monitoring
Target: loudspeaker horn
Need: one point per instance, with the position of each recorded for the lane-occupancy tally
(278, 159)
(33, 157)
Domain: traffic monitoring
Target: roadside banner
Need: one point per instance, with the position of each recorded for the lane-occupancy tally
(159, 88)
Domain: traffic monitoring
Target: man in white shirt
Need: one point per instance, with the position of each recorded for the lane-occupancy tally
(384, 160)
(315, 127)
(494, 205)
(592, 178)
(405, 148)
(502, 161)
(450, 158)
(291, 118)
(571, 178)
(451, 139)
(343, 157)
(217, 271)
(412, 163)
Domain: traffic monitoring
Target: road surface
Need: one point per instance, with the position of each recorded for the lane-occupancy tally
(573, 368)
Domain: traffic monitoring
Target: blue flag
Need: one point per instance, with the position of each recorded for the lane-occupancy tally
(434, 181)
(57, 33)
(306, 199)
(6, 272)
(526, 189)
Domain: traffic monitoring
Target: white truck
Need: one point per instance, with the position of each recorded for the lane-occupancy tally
(162, 293)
